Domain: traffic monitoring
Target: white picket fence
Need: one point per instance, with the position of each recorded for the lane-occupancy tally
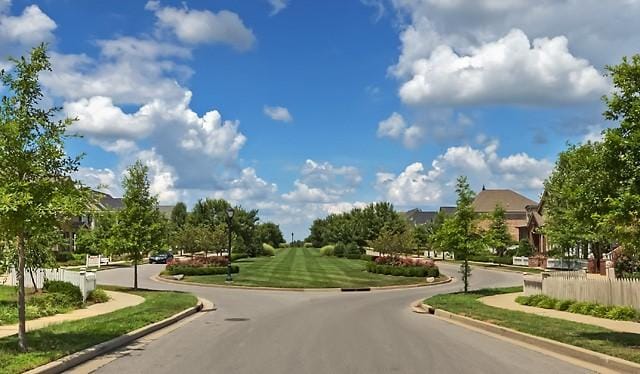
(86, 281)
(578, 286)
(568, 264)
(521, 261)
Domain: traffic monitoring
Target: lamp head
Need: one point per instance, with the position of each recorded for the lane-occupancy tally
(230, 212)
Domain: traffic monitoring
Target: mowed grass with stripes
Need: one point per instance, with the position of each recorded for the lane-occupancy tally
(304, 268)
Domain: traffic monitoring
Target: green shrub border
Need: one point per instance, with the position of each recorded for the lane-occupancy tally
(405, 271)
(207, 270)
(620, 313)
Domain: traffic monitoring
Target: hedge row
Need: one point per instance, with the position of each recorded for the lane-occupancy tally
(623, 313)
(208, 270)
(494, 259)
(405, 271)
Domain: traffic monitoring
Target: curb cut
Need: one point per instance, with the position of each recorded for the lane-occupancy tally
(592, 357)
(159, 279)
(67, 362)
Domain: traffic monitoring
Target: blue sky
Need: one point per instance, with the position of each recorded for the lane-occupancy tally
(301, 108)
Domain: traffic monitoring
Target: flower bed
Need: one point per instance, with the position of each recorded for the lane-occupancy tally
(407, 267)
(198, 262)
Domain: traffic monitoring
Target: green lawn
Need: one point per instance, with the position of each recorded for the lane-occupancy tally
(304, 268)
(53, 342)
(618, 344)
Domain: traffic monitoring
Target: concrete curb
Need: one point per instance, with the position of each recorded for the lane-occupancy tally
(159, 279)
(596, 358)
(75, 359)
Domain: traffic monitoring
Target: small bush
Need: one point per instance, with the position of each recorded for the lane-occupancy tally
(64, 256)
(339, 249)
(208, 270)
(237, 256)
(352, 251)
(268, 250)
(327, 250)
(366, 257)
(623, 313)
(547, 303)
(65, 288)
(283, 245)
(98, 296)
(600, 311)
(308, 245)
(48, 304)
(563, 305)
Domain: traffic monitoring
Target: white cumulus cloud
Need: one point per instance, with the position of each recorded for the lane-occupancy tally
(509, 70)
(278, 113)
(204, 26)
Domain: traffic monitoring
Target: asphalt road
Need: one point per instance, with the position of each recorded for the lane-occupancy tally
(326, 332)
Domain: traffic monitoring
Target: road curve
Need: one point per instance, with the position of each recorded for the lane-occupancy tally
(326, 332)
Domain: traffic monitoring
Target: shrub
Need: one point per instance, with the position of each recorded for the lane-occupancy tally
(48, 304)
(563, 304)
(327, 250)
(492, 259)
(600, 311)
(237, 256)
(283, 245)
(406, 271)
(339, 249)
(623, 313)
(366, 257)
(308, 245)
(352, 251)
(208, 270)
(268, 250)
(65, 288)
(547, 303)
(98, 296)
(64, 256)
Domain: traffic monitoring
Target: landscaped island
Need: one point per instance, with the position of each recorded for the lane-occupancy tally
(306, 268)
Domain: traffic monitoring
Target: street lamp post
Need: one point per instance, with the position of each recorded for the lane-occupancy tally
(230, 212)
(292, 239)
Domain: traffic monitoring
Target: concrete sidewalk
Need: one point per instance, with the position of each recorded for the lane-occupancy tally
(118, 300)
(507, 301)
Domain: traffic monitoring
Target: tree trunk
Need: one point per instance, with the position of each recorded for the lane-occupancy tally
(33, 281)
(135, 274)
(22, 328)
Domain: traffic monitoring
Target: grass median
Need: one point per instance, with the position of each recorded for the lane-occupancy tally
(305, 268)
(53, 342)
(595, 338)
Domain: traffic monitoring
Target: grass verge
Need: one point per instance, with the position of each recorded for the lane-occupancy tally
(305, 268)
(595, 338)
(50, 343)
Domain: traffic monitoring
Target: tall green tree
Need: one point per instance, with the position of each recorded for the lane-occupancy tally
(622, 152)
(179, 215)
(498, 236)
(36, 188)
(459, 232)
(577, 198)
(269, 233)
(140, 227)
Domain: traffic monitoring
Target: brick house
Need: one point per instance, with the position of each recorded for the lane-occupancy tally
(516, 208)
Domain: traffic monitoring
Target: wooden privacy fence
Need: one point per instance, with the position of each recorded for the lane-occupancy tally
(603, 291)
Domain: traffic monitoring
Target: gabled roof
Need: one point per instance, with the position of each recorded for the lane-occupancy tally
(510, 201)
(419, 217)
(448, 209)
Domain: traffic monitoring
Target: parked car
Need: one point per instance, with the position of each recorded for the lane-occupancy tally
(160, 258)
